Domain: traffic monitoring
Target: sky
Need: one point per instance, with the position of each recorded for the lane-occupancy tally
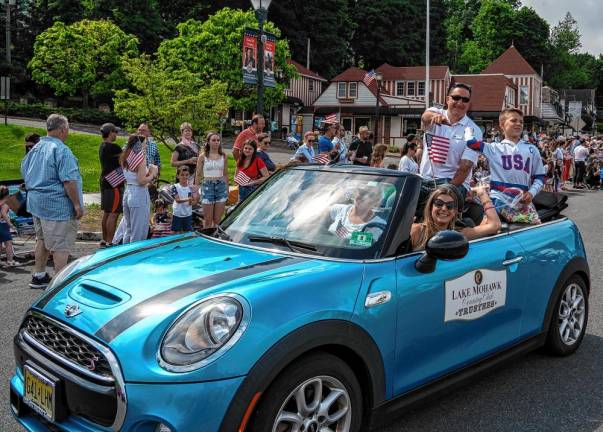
(588, 14)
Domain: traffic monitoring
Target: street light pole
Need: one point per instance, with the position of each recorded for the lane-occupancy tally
(378, 78)
(261, 13)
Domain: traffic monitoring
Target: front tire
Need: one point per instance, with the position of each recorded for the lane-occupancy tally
(316, 392)
(570, 316)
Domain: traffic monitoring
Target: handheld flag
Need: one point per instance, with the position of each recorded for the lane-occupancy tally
(438, 147)
(116, 177)
(331, 118)
(242, 179)
(135, 158)
(322, 159)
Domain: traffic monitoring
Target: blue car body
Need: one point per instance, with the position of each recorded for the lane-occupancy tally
(128, 297)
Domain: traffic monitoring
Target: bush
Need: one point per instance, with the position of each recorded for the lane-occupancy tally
(80, 115)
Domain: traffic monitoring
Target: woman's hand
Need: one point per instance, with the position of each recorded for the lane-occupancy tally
(481, 192)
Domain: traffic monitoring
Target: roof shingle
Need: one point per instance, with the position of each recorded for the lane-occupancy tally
(511, 62)
(488, 91)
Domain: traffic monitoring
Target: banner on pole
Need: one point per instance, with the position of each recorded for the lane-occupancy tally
(250, 57)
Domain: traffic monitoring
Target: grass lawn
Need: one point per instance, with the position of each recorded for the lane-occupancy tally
(85, 149)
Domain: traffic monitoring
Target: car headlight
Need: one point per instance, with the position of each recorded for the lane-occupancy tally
(203, 333)
(60, 277)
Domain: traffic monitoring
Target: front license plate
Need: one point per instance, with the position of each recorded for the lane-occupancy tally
(39, 393)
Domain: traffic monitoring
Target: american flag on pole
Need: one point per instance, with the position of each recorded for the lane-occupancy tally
(322, 159)
(438, 147)
(331, 118)
(369, 77)
(135, 158)
(116, 177)
(242, 179)
(341, 231)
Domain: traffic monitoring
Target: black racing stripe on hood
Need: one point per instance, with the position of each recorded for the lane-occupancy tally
(152, 305)
(51, 294)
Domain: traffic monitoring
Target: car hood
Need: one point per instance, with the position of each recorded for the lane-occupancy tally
(113, 293)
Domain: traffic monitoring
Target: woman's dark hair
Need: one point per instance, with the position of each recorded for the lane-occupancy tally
(407, 146)
(133, 141)
(159, 203)
(243, 158)
(32, 138)
(206, 148)
(3, 191)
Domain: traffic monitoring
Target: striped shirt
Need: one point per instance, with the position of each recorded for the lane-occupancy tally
(44, 169)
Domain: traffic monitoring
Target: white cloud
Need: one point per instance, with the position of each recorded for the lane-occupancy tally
(588, 14)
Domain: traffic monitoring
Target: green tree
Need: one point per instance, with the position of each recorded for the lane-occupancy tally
(166, 98)
(566, 35)
(212, 51)
(532, 37)
(82, 57)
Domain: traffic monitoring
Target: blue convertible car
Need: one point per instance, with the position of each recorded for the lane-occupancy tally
(295, 314)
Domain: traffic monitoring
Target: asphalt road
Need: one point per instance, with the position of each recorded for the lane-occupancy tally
(533, 393)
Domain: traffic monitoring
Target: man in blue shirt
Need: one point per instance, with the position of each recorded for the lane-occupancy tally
(54, 197)
(325, 142)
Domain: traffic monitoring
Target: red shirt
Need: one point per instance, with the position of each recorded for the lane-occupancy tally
(253, 170)
(244, 136)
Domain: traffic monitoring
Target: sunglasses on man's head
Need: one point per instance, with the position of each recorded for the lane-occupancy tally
(438, 203)
(457, 98)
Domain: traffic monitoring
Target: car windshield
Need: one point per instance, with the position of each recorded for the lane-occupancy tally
(338, 214)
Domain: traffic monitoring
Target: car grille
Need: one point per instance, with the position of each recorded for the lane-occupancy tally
(68, 346)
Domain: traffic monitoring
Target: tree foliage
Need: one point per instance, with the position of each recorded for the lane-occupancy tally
(212, 51)
(166, 98)
(566, 36)
(85, 57)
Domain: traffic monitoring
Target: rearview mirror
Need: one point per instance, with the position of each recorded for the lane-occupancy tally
(445, 245)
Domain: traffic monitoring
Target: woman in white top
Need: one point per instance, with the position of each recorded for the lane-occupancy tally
(407, 163)
(212, 166)
(136, 201)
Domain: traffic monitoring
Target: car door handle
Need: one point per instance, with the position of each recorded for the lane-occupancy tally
(376, 299)
(512, 261)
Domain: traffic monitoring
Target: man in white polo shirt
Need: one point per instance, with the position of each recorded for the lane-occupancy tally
(580, 157)
(447, 156)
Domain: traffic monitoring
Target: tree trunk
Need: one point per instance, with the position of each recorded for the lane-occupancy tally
(85, 98)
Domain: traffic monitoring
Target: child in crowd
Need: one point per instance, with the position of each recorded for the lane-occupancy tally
(184, 198)
(513, 163)
(161, 225)
(5, 227)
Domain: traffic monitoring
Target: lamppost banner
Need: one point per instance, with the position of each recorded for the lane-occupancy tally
(250, 57)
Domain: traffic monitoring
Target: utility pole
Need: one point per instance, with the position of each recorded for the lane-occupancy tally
(427, 86)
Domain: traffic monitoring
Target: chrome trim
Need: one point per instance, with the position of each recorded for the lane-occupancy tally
(245, 320)
(33, 341)
(512, 261)
(377, 298)
(120, 385)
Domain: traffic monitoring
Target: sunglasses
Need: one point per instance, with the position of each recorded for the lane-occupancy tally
(438, 203)
(311, 140)
(457, 98)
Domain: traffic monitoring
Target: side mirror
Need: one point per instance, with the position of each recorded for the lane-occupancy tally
(445, 245)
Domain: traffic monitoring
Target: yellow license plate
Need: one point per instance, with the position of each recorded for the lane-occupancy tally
(39, 393)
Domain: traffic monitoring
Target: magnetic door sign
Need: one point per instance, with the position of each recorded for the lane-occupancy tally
(250, 56)
(269, 50)
(475, 294)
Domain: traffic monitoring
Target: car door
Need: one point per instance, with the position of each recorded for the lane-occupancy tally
(460, 312)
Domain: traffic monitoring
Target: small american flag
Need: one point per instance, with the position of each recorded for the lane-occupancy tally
(341, 231)
(242, 179)
(438, 148)
(116, 177)
(331, 118)
(369, 77)
(135, 158)
(322, 159)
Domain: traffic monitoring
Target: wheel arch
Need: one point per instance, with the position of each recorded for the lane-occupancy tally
(576, 266)
(344, 339)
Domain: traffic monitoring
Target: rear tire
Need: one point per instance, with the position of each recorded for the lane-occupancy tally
(318, 390)
(570, 316)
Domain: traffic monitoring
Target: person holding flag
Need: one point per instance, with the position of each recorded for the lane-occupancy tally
(446, 155)
(112, 180)
(136, 202)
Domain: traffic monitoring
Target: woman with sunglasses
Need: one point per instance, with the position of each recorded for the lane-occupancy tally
(263, 144)
(407, 162)
(441, 212)
(305, 152)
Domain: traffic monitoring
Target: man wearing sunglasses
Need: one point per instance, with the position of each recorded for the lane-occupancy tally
(450, 158)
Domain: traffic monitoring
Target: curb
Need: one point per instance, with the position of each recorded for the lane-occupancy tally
(88, 236)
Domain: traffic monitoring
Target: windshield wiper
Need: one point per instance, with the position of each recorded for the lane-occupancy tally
(293, 245)
(217, 230)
